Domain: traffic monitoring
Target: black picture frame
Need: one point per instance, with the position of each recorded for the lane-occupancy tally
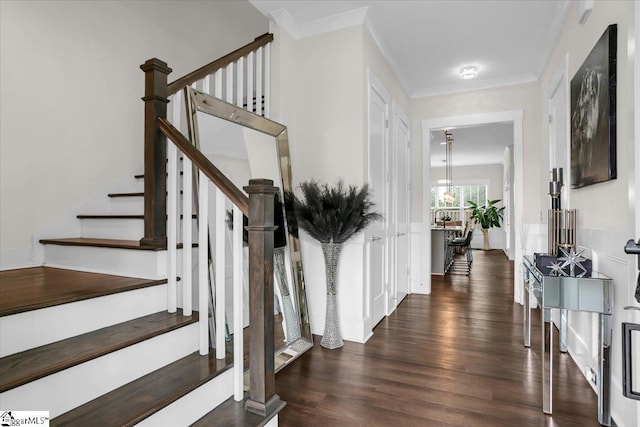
(593, 114)
(628, 388)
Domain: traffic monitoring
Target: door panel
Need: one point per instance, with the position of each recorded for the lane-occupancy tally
(378, 108)
(401, 210)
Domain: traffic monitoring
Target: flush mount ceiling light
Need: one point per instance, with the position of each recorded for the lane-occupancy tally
(468, 72)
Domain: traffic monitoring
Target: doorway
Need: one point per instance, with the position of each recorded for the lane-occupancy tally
(515, 117)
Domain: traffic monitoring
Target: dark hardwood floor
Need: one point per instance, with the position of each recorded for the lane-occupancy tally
(454, 357)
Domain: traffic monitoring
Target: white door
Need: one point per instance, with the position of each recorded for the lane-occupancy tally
(378, 129)
(400, 208)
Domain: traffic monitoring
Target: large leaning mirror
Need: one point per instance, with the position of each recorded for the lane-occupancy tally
(244, 145)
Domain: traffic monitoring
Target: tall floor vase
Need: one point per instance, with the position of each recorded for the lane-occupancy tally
(485, 239)
(332, 337)
(290, 318)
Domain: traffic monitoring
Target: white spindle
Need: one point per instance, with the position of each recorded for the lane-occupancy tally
(172, 209)
(259, 81)
(206, 85)
(238, 315)
(240, 82)
(220, 274)
(172, 220)
(217, 84)
(250, 81)
(267, 80)
(229, 94)
(187, 213)
(203, 263)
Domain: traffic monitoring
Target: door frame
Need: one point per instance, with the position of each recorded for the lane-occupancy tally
(513, 116)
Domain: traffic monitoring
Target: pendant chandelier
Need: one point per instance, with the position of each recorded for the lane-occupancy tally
(448, 195)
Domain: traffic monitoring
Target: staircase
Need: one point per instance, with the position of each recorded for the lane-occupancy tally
(89, 338)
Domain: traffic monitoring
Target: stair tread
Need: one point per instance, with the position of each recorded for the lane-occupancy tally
(194, 216)
(39, 287)
(134, 194)
(232, 414)
(105, 243)
(137, 400)
(141, 176)
(110, 216)
(20, 368)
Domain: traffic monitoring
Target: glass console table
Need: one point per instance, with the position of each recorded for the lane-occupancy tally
(592, 294)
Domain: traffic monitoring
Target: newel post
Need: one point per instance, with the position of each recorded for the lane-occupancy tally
(155, 153)
(263, 399)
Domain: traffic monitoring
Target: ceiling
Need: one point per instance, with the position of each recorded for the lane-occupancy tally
(473, 145)
(428, 42)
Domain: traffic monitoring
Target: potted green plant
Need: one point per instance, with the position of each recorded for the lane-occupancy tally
(487, 217)
(332, 215)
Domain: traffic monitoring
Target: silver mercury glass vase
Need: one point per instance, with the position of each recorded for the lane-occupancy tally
(290, 318)
(332, 337)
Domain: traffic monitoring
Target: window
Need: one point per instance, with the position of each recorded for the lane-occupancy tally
(461, 194)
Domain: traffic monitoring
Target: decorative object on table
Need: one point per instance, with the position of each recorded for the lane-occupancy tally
(487, 217)
(560, 266)
(555, 187)
(593, 114)
(562, 224)
(574, 260)
(332, 215)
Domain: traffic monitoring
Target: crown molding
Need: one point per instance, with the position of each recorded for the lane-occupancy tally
(319, 26)
(386, 53)
(477, 85)
(562, 8)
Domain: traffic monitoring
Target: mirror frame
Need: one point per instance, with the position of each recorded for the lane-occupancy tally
(198, 101)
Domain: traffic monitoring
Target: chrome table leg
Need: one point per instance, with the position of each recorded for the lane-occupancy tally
(564, 319)
(527, 314)
(604, 374)
(547, 360)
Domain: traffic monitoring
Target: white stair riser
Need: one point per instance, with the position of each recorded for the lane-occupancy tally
(194, 405)
(123, 262)
(119, 229)
(123, 229)
(65, 390)
(35, 328)
(127, 205)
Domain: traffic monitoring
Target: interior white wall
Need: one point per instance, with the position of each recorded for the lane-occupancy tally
(319, 91)
(492, 176)
(72, 118)
(605, 210)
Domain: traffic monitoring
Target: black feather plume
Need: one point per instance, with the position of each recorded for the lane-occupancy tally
(334, 214)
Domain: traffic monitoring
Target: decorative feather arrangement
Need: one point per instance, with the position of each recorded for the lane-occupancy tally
(334, 214)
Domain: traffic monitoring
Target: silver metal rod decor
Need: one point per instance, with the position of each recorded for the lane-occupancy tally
(562, 230)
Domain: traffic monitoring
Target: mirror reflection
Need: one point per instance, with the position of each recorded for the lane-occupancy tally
(244, 146)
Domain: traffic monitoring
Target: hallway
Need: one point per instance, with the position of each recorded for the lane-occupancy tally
(454, 357)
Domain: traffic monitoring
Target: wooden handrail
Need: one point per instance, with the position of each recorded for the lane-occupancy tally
(229, 189)
(214, 66)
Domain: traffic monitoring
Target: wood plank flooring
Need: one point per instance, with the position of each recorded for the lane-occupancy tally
(454, 357)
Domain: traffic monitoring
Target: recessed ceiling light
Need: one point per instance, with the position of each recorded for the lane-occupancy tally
(468, 72)
(443, 143)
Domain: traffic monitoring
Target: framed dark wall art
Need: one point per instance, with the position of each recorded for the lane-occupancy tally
(593, 114)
